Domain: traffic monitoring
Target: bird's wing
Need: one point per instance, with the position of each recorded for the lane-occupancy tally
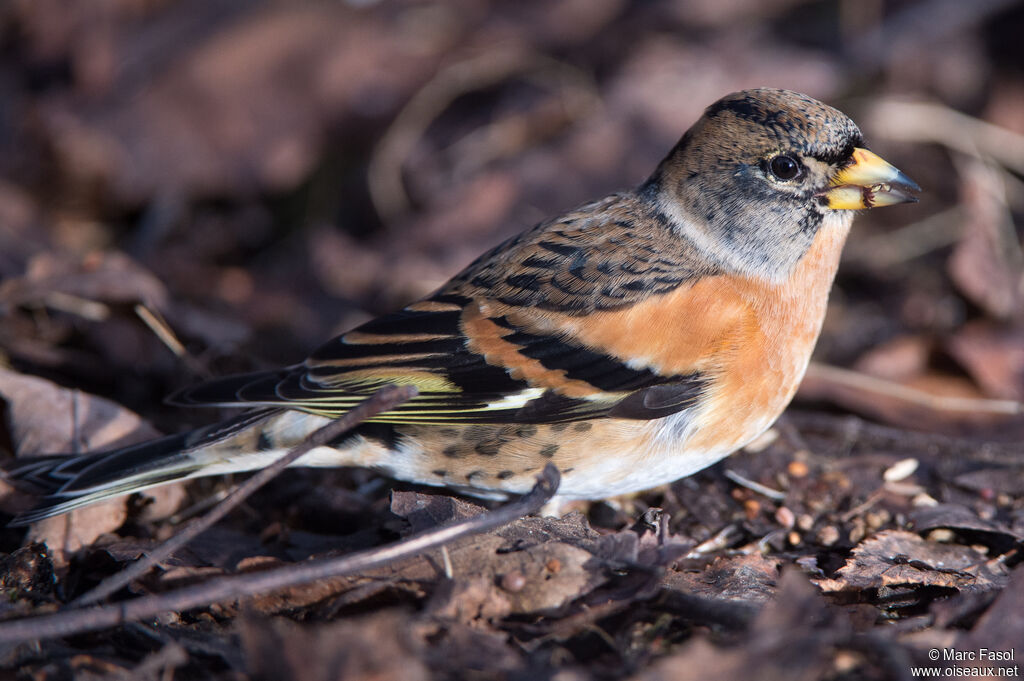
(496, 344)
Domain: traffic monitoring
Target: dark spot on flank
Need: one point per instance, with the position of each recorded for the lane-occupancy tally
(263, 442)
(451, 452)
(504, 475)
(527, 471)
(448, 432)
(549, 451)
(474, 474)
(526, 431)
(474, 433)
(558, 427)
(583, 426)
(440, 472)
(488, 448)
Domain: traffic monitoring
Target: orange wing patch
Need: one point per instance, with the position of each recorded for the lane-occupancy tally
(485, 338)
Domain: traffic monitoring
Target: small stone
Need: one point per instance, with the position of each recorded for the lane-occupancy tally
(900, 470)
(876, 519)
(828, 535)
(513, 582)
(785, 517)
(797, 469)
(943, 535)
(924, 500)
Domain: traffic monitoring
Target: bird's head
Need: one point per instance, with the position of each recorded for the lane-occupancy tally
(762, 171)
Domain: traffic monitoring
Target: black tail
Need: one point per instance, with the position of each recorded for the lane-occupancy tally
(70, 482)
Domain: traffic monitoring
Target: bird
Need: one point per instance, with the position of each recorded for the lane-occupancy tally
(631, 341)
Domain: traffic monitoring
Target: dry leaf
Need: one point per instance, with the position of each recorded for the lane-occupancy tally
(790, 640)
(994, 356)
(378, 647)
(896, 557)
(45, 419)
(987, 264)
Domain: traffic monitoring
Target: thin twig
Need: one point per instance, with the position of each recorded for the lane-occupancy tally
(947, 449)
(80, 620)
(917, 121)
(386, 398)
(165, 334)
(864, 383)
(763, 490)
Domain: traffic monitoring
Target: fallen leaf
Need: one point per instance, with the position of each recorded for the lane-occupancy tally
(751, 578)
(62, 280)
(987, 264)
(44, 418)
(994, 356)
(792, 639)
(897, 557)
(999, 628)
(960, 518)
(377, 647)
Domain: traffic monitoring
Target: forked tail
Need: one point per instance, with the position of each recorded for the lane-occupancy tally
(70, 482)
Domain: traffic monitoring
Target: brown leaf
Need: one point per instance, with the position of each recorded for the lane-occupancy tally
(427, 511)
(896, 557)
(540, 578)
(898, 359)
(986, 265)
(994, 356)
(378, 647)
(465, 652)
(957, 517)
(60, 280)
(791, 640)
(999, 629)
(471, 599)
(751, 577)
(43, 419)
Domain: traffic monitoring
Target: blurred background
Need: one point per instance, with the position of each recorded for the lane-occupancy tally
(192, 187)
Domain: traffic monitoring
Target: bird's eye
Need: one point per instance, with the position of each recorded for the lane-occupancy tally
(784, 167)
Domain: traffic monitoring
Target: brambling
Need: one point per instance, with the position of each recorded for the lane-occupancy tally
(631, 341)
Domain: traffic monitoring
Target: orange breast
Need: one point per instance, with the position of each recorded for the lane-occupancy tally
(753, 337)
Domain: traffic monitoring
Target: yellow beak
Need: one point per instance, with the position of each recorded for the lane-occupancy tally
(868, 182)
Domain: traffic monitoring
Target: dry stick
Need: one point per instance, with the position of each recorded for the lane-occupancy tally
(388, 397)
(865, 383)
(81, 620)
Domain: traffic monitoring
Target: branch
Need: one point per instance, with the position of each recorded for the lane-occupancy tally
(81, 620)
(385, 399)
